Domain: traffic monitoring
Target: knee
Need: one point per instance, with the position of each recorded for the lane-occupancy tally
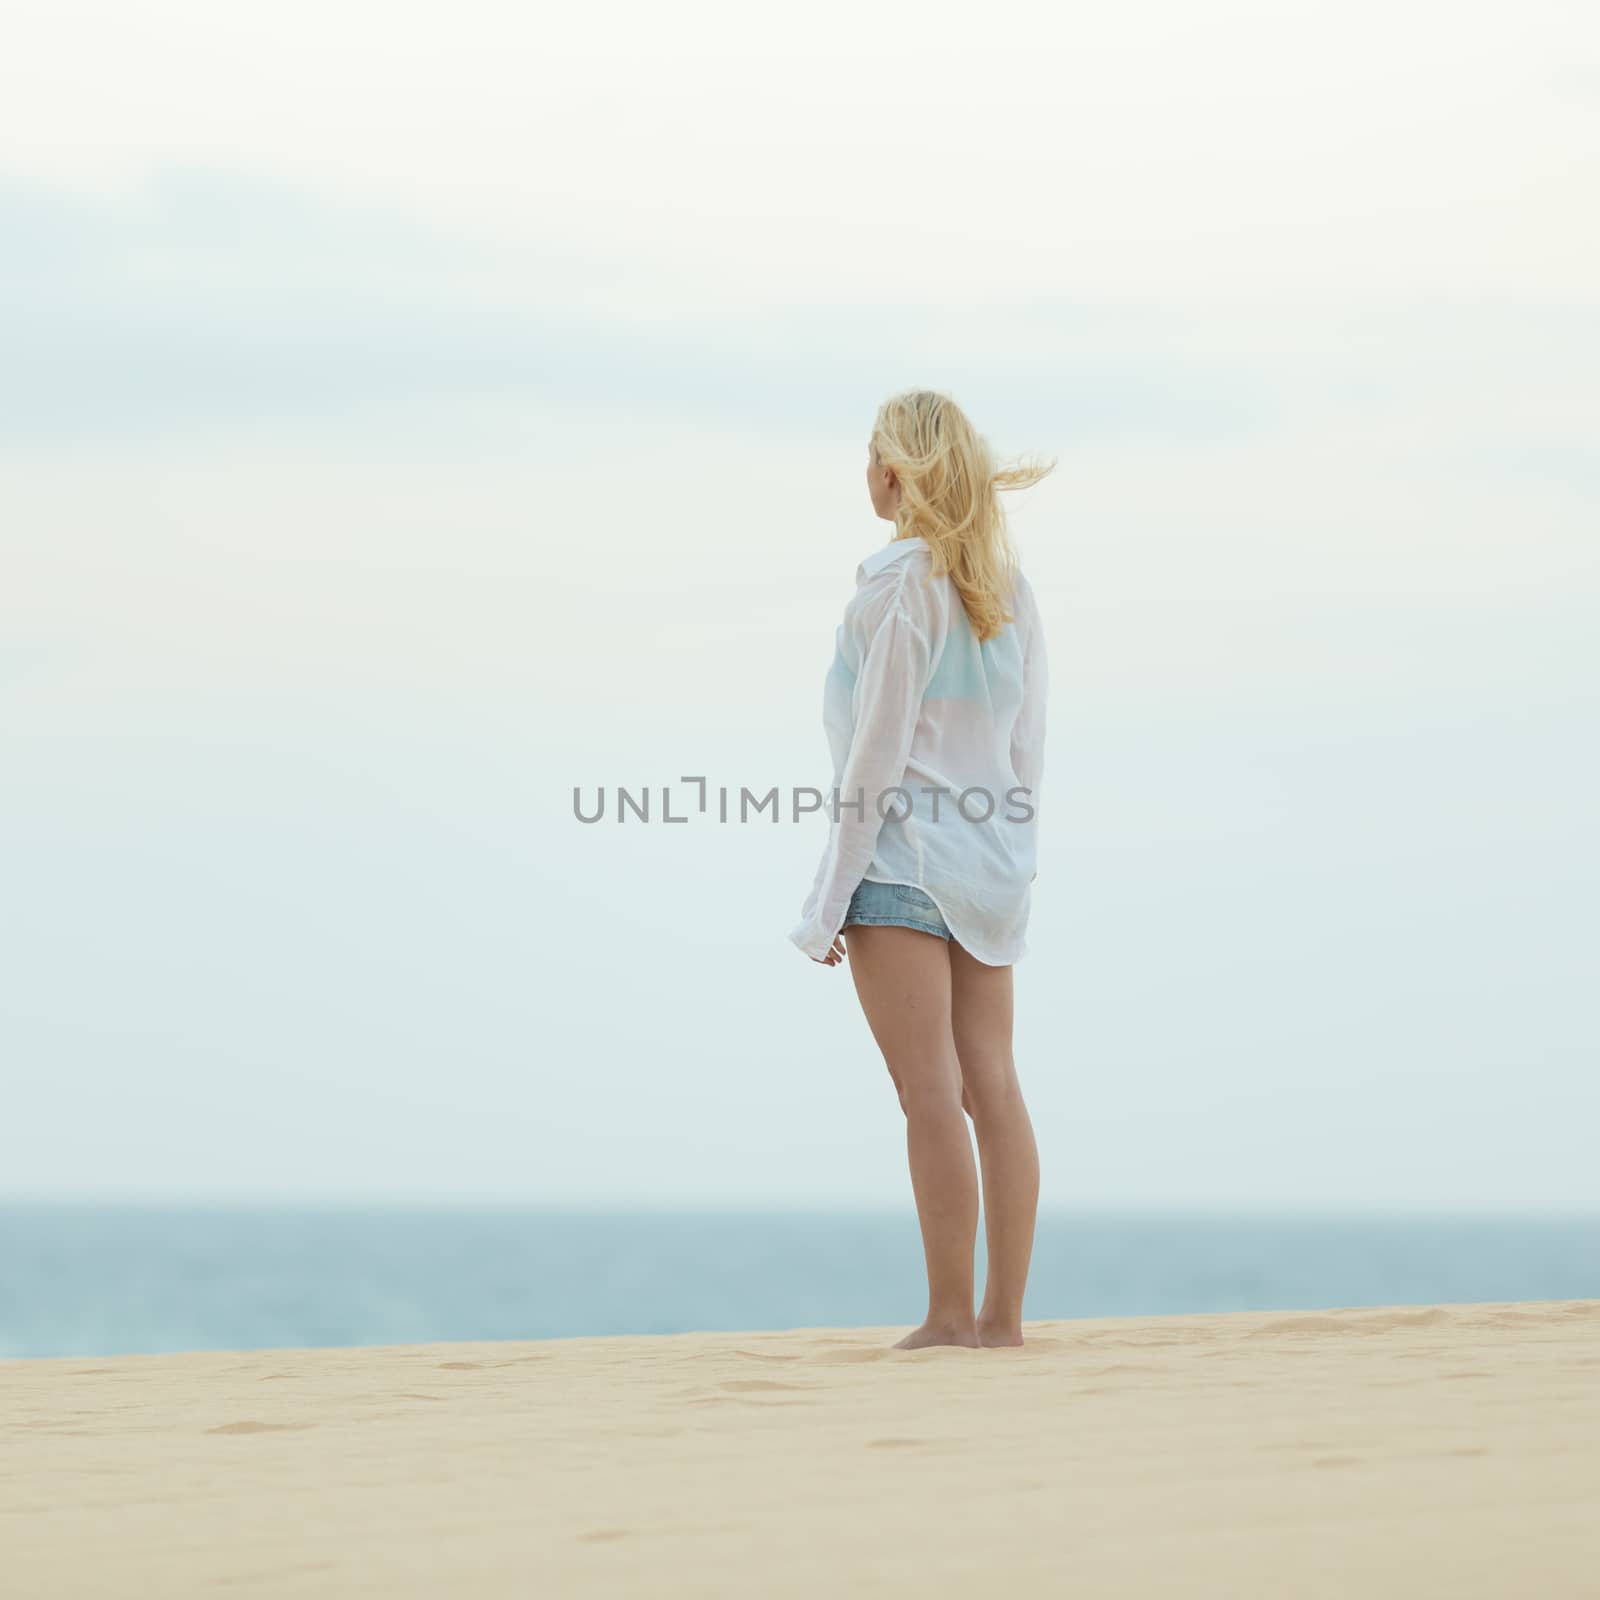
(988, 1085)
(925, 1095)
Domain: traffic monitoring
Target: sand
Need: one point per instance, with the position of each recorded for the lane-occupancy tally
(1417, 1451)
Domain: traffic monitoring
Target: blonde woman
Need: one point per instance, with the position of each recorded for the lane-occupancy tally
(934, 708)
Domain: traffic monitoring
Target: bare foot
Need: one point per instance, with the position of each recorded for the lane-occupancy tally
(962, 1333)
(999, 1335)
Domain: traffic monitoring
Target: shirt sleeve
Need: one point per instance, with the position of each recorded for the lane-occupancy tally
(1027, 733)
(896, 661)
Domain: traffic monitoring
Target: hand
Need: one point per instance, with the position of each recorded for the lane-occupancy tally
(835, 955)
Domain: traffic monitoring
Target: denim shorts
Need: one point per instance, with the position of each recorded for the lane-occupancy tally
(895, 904)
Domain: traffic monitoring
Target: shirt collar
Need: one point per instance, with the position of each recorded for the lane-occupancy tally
(893, 551)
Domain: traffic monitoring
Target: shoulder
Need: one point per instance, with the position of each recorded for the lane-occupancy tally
(901, 587)
(1024, 604)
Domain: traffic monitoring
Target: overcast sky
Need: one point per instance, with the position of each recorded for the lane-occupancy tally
(408, 414)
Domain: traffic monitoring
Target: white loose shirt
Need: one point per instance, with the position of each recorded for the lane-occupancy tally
(920, 714)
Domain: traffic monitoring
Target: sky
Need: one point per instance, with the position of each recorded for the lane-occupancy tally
(409, 415)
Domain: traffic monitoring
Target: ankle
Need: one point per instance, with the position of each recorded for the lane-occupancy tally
(999, 1331)
(1004, 1321)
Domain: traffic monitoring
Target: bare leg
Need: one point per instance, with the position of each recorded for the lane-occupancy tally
(902, 979)
(980, 1020)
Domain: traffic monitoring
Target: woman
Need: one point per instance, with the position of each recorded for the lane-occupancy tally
(935, 712)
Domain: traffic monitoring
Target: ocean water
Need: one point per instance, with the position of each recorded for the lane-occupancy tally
(108, 1280)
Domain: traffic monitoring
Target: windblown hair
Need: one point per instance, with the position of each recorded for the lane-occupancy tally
(950, 490)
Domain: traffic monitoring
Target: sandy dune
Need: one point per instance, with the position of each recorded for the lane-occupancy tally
(1417, 1451)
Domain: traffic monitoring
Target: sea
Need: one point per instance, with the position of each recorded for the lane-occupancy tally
(116, 1279)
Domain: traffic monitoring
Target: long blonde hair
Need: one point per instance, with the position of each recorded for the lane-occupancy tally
(950, 495)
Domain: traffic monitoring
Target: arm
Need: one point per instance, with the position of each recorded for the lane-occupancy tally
(896, 661)
(1027, 733)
